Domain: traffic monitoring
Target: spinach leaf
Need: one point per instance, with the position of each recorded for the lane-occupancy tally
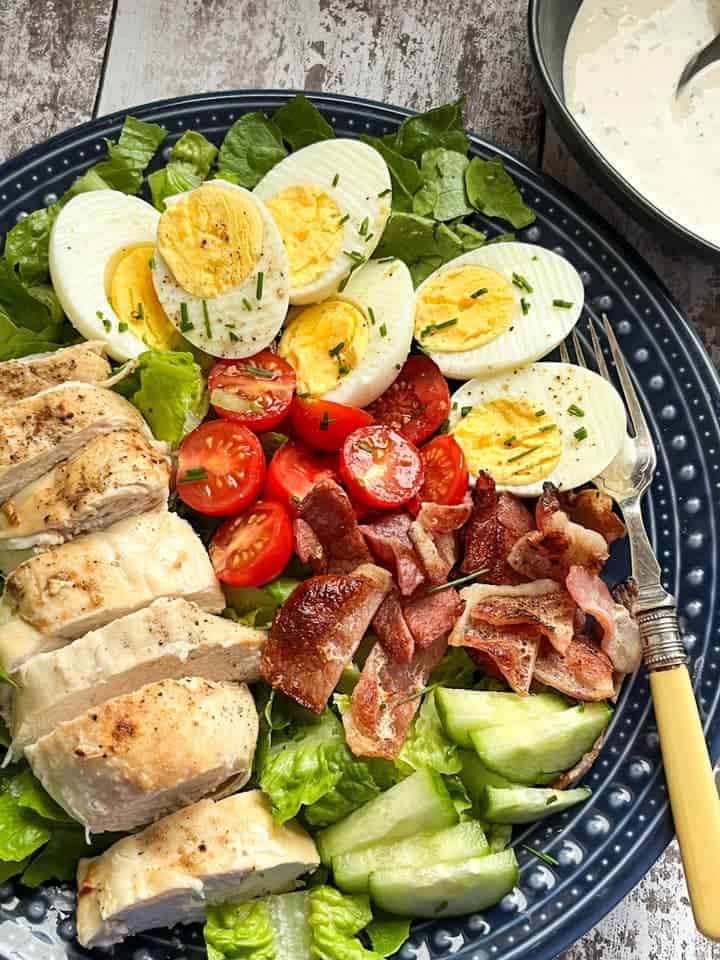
(442, 195)
(252, 146)
(470, 238)
(441, 127)
(491, 190)
(423, 244)
(301, 123)
(404, 175)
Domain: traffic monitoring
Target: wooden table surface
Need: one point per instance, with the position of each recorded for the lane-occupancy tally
(65, 61)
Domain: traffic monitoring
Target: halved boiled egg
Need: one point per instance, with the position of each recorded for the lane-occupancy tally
(330, 201)
(497, 307)
(350, 347)
(101, 250)
(220, 269)
(547, 421)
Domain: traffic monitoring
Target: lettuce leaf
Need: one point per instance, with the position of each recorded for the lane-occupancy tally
(470, 238)
(190, 161)
(335, 919)
(456, 669)
(301, 123)
(22, 832)
(26, 244)
(423, 244)
(30, 318)
(19, 305)
(127, 159)
(387, 933)
(440, 127)
(426, 744)
(58, 858)
(252, 146)
(492, 191)
(196, 151)
(404, 174)
(26, 790)
(442, 195)
(240, 932)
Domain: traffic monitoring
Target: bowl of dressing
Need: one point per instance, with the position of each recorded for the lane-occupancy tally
(608, 72)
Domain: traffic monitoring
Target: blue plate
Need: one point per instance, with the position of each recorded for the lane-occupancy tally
(606, 846)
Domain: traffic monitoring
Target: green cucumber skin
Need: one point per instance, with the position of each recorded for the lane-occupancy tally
(462, 711)
(527, 804)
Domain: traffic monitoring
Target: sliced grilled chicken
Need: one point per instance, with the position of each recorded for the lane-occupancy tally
(116, 475)
(167, 640)
(144, 755)
(208, 853)
(82, 363)
(61, 594)
(39, 432)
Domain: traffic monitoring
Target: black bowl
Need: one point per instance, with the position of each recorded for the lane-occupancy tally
(549, 23)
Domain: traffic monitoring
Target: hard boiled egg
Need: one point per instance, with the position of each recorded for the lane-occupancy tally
(500, 306)
(220, 269)
(547, 421)
(350, 347)
(330, 201)
(101, 250)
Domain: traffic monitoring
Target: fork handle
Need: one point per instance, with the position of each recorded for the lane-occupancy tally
(691, 785)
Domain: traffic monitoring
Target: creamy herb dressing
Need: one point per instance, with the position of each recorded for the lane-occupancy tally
(622, 63)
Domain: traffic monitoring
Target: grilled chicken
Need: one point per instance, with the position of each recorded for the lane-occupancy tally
(143, 755)
(39, 432)
(167, 640)
(208, 853)
(79, 586)
(116, 475)
(83, 363)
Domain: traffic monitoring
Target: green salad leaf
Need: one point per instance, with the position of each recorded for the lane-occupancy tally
(442, 195)
(387, 933)
(26, 244)
(240, 932)
(335, 919)
(423, 244)
(426, 744)
(127, 159)
(456, 669)
(252, 146)
(190, 161)
(301, 123)
(26, 790)
(17, 302)
(470, 238)
(58, 858)
(196, 151)
(404, 174)
(440, 127)
(492, 191)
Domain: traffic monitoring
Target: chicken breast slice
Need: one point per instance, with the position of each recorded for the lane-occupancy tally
(81, 363)
(116, 475)
(39, 432)
(208, 853)
(66, 591)
(167, 640)
(144, 755)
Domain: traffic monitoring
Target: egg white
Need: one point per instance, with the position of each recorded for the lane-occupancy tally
(554, 387)
(532, 335)
(89, 230)
(252, 330)
(356, 177)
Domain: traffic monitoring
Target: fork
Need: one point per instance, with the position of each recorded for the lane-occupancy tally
(691, 787)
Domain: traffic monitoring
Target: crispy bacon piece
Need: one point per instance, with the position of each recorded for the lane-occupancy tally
(621, 635)
(581, 767)
(432, 615)
(550, 614)
(437, 551)
(392, 547)
(318, 630)
(308, 547)
(505, 652)
(386, 699)
(593, 510)
(496, 523)
(480, 592)
(557, 544)
(392, 630)
(328, 512)
(584, 672)
(444, 518)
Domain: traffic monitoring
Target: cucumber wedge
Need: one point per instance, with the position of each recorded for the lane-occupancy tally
(462, 711)
(445, 889)
(499, 836)
(528, 753)
(527, 804)
(416, 805)
(476, 776)
(352, 870)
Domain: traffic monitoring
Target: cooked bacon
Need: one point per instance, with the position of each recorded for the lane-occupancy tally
(557, 544)
(444, 518)
(432, 615)
(584, 672)
(392, 547)
(621, 635)
(549, 614)
(581, 767)
(510, 653)
(318, 630)
(438, 551)
(308, 547)
(328, 512)
(593, 510)
(392, 630)
(386, 699)
(481, 592)
(496, 523)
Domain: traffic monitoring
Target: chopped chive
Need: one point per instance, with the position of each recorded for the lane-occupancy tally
(478, 293)
(325, 420)
(122, 327)
(521, 282)
(562, 304)
(369, 237)
(357, 258)
(361, 445)
(548, 427)
(99, 314)
(206, 320)
(575, 411)
(524, 453)
(257, 371)
(344, 219)
(464, 411)
(140, 313)
(510, 440)
(106, 323)
(540, 412)
(371, 314)
(190, 476)
(581, 434)
(184, 318)
(418, 693)
(246, 304)
(444, 426)
(336, 179)
(343, 369)
(545, 857)
(385, 192)
(152, 263)
(233, 336)
(384, 259)
(344, 282)
(364, 227)
(383, 330)
(534, 258)
(434, 327)
(551, 800)
(259, 285)
(524, 306)
(459, 581)
(334, 351)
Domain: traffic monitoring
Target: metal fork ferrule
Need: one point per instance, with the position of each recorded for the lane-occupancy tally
(662, 644)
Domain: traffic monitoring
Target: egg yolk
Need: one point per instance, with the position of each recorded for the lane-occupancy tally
(511, 438)
(324, 343)
(464, 308)
(211, 239)
(132, 295)
(309, 224)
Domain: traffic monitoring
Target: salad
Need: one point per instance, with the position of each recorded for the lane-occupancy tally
(303, 609)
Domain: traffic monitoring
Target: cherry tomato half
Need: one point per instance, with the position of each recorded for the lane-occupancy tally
(323, 425)
(256, 391)
(380, 467)
(254, 547)
(221, 468)
(294, 470)
(416, 403)
(446, 473)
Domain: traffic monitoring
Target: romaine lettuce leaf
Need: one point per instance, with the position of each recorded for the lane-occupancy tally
(442, 195)
(387, 933)
(423, 244)
(240, 932)
(492, 191)
(26, 790)
(335, 919)
(456, 669)
(190, 162)
(252, 146)
(127, 159)
(58, 858)
(22, 831)
(404, 174)
(426, 744)
(26, 244)
(440, 127)
(19, 305)
(196, 151)
(301, 123)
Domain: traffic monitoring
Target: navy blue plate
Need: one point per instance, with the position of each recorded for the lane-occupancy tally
(605, 847)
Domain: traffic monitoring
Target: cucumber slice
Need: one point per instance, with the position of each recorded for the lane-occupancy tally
(526, 804)
(499, 836)
(462, 711)
(352, 870)
(445, 889)
(415, 805)
(476, 776)
(527, 753)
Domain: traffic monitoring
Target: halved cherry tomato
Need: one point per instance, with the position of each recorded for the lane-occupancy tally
(380, 467)
(256, 391)
(294, 470)
(254, 547)
(221, 468)
(446, 473)
(416, 403)
(323, 425)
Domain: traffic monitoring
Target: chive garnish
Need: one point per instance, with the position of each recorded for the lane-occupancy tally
(545, 857)
(383, 330)
(140, 313)
(246, 304)
(510, 440)
(371, 314)
(521, 282)
(385, 192)
(524, 453)
(551, 800)
(575, 411)
(152, 263)
(357, 258)
(184, 318)
(540, 412)
(344, 282)
(334, 351)
(364, 227)
(562, 304)
(434, 327)
(233, 336)
(548, 427)
(106, 323)
(344, 219)
(325, 420)
(99, 314)
(361, 445)
(122, 327)
(460, 580)
(259, 285)
(581, 434)
(343, 369)
(257, 371)
(464, 411)
(418, 693)
(478, 293)
(336, 179)
(524, 306)
(444, 426)
(190, 476)
(206, 320)
(384, 259)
